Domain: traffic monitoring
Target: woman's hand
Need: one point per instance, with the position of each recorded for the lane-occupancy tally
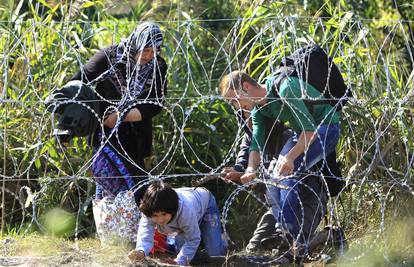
(110, 121)
(136, 255)
(133, 115)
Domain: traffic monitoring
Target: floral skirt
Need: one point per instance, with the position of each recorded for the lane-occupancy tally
(116, 219)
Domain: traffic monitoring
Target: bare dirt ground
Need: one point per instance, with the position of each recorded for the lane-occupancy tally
(49, 251)
(72, 260)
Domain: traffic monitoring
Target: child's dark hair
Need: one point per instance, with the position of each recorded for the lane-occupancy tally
(159, 197)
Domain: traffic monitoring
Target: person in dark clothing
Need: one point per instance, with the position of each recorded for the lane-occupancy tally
(131, 84)
(277, 134)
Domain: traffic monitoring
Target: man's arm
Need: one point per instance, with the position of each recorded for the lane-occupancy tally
(242, 159)
(234, 173)
(257, 144)
(291, 92)
(254, 162)
(304, 141)
(286, 164)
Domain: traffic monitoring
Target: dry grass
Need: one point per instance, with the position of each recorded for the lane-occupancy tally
(36, 250)
(52, 251)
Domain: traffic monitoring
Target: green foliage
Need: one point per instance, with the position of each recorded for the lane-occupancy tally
(42, 44)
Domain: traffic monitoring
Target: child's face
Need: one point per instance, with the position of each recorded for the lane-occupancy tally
(161, 217)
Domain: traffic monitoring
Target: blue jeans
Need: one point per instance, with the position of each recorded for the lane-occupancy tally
(211, 232)
(301, 202)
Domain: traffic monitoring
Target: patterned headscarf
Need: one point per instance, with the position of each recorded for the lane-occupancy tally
(145, 35)
(129, 77)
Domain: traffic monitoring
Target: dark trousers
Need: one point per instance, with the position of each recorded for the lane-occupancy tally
(265, 228)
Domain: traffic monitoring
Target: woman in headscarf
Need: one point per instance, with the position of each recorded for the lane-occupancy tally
(131, 82)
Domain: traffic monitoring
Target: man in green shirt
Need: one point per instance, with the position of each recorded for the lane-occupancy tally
(316, 130)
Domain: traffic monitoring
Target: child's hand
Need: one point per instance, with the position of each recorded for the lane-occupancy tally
(136, 255)
(170, 261)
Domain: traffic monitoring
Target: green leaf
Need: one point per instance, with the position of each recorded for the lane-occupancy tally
(34, 13)
(37, 163)
(17, 11)
(43, 2)
(55, 8)
(52, 152)
(186, 15)
(88, 4)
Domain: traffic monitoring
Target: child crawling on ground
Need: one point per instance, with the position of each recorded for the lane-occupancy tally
(189, 213)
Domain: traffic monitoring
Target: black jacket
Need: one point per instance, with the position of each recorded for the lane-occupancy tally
(134, 137)
(277, 135)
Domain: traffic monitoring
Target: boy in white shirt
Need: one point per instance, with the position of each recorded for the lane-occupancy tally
(189, 213)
